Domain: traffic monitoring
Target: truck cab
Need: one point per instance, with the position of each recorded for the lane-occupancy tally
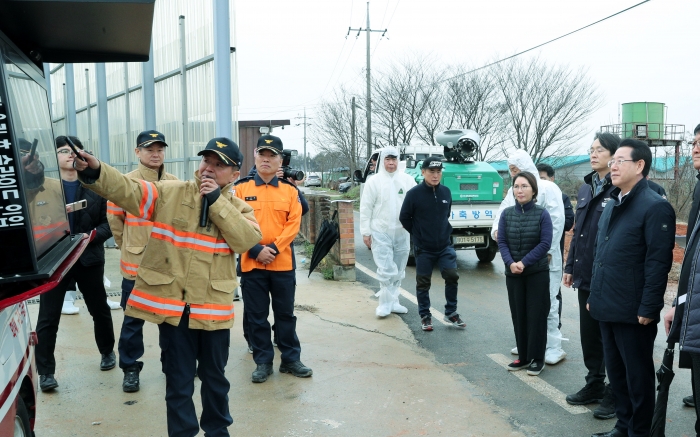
(477, 189)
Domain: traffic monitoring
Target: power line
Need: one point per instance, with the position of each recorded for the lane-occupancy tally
(299, 106)
(539, 45)
(336, 65)
(281, 111)
(390, 19)
(344, 65)
(384, 16)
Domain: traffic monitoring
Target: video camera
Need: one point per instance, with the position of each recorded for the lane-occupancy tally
(289, 172)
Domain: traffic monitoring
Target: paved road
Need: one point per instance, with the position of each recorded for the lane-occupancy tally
(535, 405)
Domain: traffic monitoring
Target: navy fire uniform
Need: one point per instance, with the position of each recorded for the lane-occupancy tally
(278, 210)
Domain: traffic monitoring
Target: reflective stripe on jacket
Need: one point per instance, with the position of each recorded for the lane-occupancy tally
(183, 263)
(130, 232)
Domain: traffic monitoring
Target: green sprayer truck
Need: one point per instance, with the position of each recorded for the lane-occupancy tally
(477, 190)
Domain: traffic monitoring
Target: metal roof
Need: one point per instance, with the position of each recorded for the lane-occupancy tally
(79, 30)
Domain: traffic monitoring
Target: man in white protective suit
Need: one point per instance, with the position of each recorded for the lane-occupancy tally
(381, 230)
(549, 196)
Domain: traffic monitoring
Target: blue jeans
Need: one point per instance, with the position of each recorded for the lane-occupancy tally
(131, 336)
(446, 260)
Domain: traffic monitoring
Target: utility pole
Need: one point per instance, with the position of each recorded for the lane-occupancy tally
(353, 145)
(305, 124)
(369, 80)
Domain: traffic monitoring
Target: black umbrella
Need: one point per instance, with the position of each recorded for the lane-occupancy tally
(326, 238)
(664, 375)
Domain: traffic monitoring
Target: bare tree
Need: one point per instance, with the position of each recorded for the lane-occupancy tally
(326, 161)
(332, 130)
(523, 104)
(400, 96)
(545, 106)
(680, 189)
(473, 101)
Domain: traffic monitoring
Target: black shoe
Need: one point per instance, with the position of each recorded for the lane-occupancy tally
(131, 381)
(455, 320)
(589, 394)
(689, 401)
(426, 323)
(296, 368)
(262, 372)
(535, 367)
(108, 361)
(47, 382)
(614, 433)
(518, 365)
(606, 409)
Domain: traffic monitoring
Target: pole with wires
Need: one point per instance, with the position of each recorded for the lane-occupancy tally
(368, 106)
(305, 123)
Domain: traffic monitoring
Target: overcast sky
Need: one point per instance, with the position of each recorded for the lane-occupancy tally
(292, 53)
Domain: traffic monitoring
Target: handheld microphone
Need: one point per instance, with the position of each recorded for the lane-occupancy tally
(205, 213)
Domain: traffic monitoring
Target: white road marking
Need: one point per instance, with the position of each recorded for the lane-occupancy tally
(540, 385)
(440, 316)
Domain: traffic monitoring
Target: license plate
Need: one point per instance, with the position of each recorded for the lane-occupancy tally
(474, 239)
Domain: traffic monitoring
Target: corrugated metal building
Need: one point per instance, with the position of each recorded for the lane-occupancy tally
(188, 89)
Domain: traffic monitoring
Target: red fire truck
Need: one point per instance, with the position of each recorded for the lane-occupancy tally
(36, 247)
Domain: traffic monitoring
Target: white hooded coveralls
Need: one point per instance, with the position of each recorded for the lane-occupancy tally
(548, 196)
(380, 205)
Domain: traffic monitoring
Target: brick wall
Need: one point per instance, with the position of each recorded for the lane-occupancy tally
(343, 252)
(321, 207)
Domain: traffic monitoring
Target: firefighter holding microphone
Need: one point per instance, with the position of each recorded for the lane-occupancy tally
(187, 277)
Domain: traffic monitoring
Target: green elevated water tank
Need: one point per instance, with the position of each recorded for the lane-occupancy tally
(643, 120)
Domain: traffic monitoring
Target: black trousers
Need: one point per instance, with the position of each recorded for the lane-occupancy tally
(131, 336)
(184, 352)
(591, 342)
(695, 379)
(629, 350)
(260, 287)
(90, 281)
(528, 297)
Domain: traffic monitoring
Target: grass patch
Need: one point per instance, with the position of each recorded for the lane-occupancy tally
(327, 273)
(308, 248)
(353, 193)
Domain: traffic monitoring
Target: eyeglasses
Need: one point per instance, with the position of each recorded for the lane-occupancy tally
(597, 150)
(696, 143)
(620, 161)
(64, 151)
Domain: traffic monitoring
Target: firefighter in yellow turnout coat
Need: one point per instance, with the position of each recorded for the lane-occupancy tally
(187, 277)
(131, 234)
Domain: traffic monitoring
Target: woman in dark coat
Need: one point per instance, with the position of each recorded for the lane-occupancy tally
(524, 237)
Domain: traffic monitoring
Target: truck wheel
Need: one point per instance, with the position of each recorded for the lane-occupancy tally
(21, 419)
(487, 255)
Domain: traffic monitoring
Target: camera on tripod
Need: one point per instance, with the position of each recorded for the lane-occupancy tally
(288, 171)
